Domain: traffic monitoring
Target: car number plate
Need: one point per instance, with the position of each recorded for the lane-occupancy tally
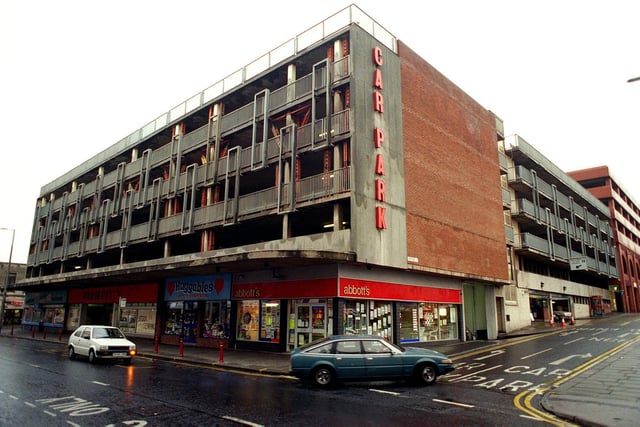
(119, 354)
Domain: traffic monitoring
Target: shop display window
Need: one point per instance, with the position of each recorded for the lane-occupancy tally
(181, 320)
(270, 320)
(138, 319)
(73, 319)
(355, 317)
(368, 317)
(248, 320)
(215, 320)
(54, 316)
(427, 322)
(409, 323)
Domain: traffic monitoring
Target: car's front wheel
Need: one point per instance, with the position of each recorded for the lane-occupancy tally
(323, 376)
(426, 374)
(92, 356)
(72, 353)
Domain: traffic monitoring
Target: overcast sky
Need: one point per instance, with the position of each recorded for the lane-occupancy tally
(78, 76)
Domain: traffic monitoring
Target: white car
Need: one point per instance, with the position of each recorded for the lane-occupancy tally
(100, 342)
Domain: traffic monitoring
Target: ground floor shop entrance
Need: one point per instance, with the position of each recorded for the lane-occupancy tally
(308, 322)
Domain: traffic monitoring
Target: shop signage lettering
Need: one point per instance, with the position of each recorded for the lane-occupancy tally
(198, 288)
(358, 288)
(378, 139)
(360, 291)
(246, 293)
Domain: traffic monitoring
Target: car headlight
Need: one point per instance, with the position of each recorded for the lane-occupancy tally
(448, 361)
(103, 348)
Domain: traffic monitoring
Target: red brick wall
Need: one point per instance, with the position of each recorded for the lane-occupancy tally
(453, 196)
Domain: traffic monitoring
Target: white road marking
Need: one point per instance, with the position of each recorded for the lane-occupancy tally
(30, 404)
(99, 383)
(576, 340)
(375, 390)
(241, 421)
(447, 402)
(535, 354)
(474, 373)
(50, 413)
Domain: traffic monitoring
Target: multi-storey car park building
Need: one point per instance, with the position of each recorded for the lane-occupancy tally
(560, 242)
(625, 222)
(337, 184)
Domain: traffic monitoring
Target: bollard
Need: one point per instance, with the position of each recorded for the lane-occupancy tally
(60, 335)
(33, 332)
(44, 334)
(181, 348)
(155, 345)
(552, 322)
(221, 353)
(573, 320)
(11, 330)
(562, 323)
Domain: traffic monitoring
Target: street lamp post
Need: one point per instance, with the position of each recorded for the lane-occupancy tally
(6, 282)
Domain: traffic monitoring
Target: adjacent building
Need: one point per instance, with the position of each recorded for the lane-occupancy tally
(560, 242)
(13, 301)
(625, 223)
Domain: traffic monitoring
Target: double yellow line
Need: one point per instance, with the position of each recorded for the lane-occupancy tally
(523, 401)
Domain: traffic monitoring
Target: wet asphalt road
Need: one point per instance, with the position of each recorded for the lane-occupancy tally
(39, 385)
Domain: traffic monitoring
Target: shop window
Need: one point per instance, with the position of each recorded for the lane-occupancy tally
(248, 312)
(409, 325)
(368, 317)
(215, 321)
(181, 320)
(73, 319)
(270, 321)
(355, 317)
(138, 319)
(259, 320)
(427, 322)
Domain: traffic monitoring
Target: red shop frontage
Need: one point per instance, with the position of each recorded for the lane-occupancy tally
(279, 316)
(132, 308)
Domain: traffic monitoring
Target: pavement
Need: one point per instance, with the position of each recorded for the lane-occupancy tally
(605, 394)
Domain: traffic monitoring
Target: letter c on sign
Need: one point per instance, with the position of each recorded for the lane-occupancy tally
(377, 56)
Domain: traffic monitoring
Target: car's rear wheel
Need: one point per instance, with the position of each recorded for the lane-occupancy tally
(323, 376)
(426, 374)
(72, 353)
(92, 356)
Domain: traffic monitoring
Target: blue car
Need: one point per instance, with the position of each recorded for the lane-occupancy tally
(365, 357)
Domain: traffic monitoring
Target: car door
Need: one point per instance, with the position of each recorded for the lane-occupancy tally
(380, 360)
(84, 342)
(349, 359)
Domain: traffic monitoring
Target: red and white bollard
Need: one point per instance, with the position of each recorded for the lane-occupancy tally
(562, 323)
(181, 347)
(11, 330)
(60, 335)
(573, 320)
(156, 345)
(551, 322)
(221, 359)
(44, 334)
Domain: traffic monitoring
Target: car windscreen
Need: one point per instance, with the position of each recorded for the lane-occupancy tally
(107, 333)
